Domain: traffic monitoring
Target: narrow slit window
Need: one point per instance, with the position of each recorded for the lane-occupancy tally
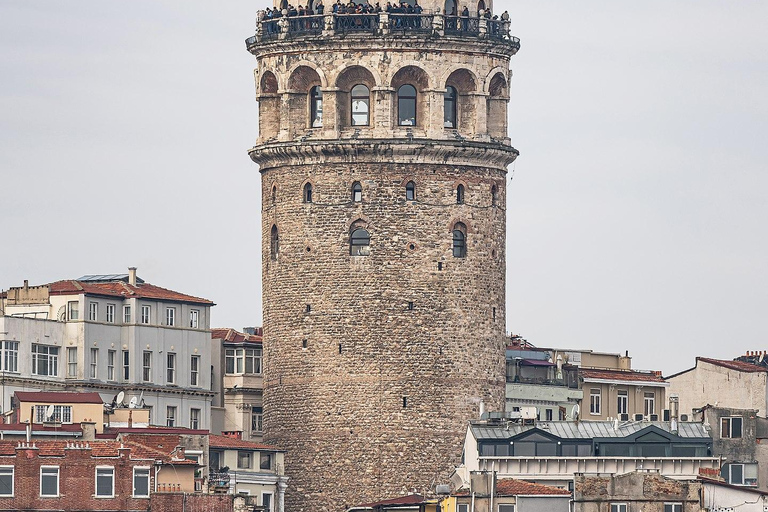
(274, 243)
(410, 191)
(460, 194)
(308, 193)
(361, 100)
(357, 192)
(494, 195)
(316, 107)
(449, 107)
(459, 240)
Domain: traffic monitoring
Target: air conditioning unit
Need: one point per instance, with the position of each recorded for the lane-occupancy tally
(654, 417)
(683, 417)
(624, 417)
(665, 415)
(638, 417)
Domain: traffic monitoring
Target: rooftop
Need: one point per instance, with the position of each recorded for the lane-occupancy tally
(623, 375)
(231, 335)
(733, 365)
(584, 429)
(58, 397)
(123, 290)
(216, 441)
(514, 487)
(410, 499)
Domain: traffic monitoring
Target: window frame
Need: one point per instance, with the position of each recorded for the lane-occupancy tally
(649, 403)
(450, 110)
(460, 193)
(274, 243)
(96, 481)
(361, 99)
(306, 193)
(149, 481)
(146, 314)
(410, 191)
(315, 107)
(727, 423)
(170, 416)
(110, 313)
(406, 100)
(619, 507)
(194, 318)
(10, 361)
(71, 362)
(673, 506)
(73, 310)
(125, 362)
(194, 371)
(357, 236)
(146, 366)
(58, 481)
(170, 316)
(257, 420)
(506, 507)
(459, 242)
(111, 356)
(244, 459)
(270, 501)
(357, 192)
(127, 314)
(194, 418)
(93, 311)
(595, 400)
(266, 461)
(5, 471)
(94, 370)
(51, 360)
(622, 399)
(170, 368)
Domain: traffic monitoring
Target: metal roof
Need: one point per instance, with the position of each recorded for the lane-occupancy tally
(585, 429)
(101, 278)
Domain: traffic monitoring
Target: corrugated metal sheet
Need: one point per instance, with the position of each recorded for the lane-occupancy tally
(584, 429)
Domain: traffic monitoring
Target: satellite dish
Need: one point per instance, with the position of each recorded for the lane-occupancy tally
(575, 412)
(133, 402)
(120, 397)
(49, 412)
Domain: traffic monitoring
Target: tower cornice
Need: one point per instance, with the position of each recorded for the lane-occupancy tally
(415, 151)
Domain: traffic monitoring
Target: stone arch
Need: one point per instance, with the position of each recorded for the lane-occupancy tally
(304, 75)
(300, 81)
(303, 191)
(496, 105)
(451, 8)
(414, 75)
(466, 84)
(345, 81)
(491, 75)
(269, 106)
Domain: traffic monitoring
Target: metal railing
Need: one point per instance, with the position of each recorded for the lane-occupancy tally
(356, 23)
(461, 25)
(306, 24)
(410, 22)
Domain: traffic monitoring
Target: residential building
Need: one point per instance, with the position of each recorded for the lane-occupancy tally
(734, 384)
(623, 394)
(407, 503)
(720, 496)
(244, 467)
(642, 490)
(238, 382)
(551, 452)
(107, 334)
(486, 493)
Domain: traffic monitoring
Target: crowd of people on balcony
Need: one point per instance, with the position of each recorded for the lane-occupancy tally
(351, 7)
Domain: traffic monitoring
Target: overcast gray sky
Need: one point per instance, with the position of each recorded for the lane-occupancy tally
(637, 208)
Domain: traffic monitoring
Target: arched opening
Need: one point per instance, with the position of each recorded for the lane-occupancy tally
(274, 194)
(449, 107)
(269, 106)
(410, 191)
(460, 194)
(360, 106)
(308, 193)
(315, 107)
(459, 240)
(480, 7)
(497, 106)
(357, 192)
(274, 243)
(406, 105)
(303, 84)
(451, 8)
(465, 88)
(359, 242)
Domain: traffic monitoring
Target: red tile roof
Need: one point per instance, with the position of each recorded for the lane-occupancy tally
(233, 336)
(411, 499)
(627, 375)
(59, 397)
(734, 365)
(123, 290)
(230, 442)
(514, 487)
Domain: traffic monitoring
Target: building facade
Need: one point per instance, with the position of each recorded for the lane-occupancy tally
(636, 491)
(108, 334)
(383, 151)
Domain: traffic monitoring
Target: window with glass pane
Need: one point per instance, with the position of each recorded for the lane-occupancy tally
(111, 313)
(194, 371)
(274, 243)
(145, 314)
(126, 314)
(244, 460)
(105, 481)
(357, 192)
(170, 416)
(460, 194)
(194, 318)
(93, 311)
(594, 401)
(360, 105)
(265, 461)
(257, 419)
(194, 419)
(72, 362)
(731, 427)
(11, 356)
(253, 360)
(649, 400)
(146, 366)
(622, 401)
(266, 501)
(673, 507)
(360, 242)
(170, 316)
(410, 191)
(49, 481)
(406, 105)
(316, 107)
(171, 368)
(111, 355)
(307, 197)
(126, 365)
(73, 310)
(45, 360)
(141, 482)
(6, 480)
(449, 107)
(459, 240)
(506, 508)
(618, 507)
(94, 362)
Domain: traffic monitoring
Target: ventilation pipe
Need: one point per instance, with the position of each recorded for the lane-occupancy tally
(132, 276)
(674, 410)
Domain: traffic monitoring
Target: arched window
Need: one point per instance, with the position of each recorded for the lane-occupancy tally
(480, 7)
(406, 105)
(274, 194)
(494, 195)
(460, 194)
(315, 107)
(450, 8)
(308, 193)
(360, 105)
(274, 243)
(449, 107)
(410, 191)
(459, 240)
(357, 192)
(359, 242)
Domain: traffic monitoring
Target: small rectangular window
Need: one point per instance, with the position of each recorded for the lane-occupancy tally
(504, 507)
(93, 311)
(194, 372)
(171, 368)
(257, 420)
(548, 415)
(10, 356)
(94, 362)
(618, 507)
(194, 419)
(622, 401)
(170, 316)
(673, 507)
(462, 507)
(49, 481)
(243, 460)
(731, 427)
(110, 313)
(266, 501)
(650, 403)
(126, 365)
(6, 481)
(170, 416)
(105, 482)
(126, 314)
(140, 482)
(72, 362)
(145, 314)
(265, 461)
(73, 310)
(146, 366)
(594, 401)
(111, 355)
(194, 318)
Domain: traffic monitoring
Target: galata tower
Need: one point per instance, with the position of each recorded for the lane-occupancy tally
(383, 152)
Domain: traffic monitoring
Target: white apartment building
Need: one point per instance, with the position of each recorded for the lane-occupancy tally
(107, 334)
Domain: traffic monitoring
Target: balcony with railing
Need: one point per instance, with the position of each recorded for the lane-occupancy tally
(382, 24)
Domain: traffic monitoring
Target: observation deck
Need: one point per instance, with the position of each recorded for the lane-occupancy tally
(381, 24)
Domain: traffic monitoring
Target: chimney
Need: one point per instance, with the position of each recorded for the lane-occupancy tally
(88, 428)
(132, 276)
(26, 284)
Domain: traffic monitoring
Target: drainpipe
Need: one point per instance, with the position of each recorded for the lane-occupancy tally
(472, 506)
(493, 484)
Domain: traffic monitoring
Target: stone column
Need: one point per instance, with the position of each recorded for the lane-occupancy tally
(281, 485)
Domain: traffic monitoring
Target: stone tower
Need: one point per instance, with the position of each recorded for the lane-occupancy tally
(383, 151)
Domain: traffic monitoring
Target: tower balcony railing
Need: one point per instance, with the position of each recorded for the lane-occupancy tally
(383, 23)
